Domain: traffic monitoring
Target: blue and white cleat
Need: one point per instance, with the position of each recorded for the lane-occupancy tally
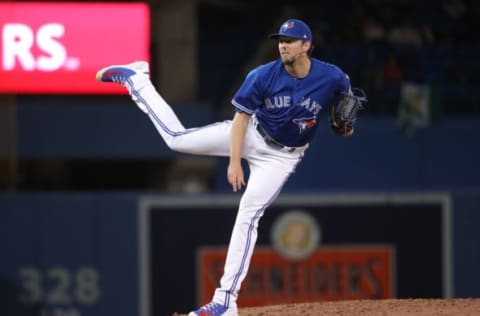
(214, 309)
(121, 73)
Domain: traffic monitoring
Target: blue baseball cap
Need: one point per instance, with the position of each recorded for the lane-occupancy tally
(295, 29)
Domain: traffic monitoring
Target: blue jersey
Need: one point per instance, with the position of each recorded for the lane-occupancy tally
(287, 108)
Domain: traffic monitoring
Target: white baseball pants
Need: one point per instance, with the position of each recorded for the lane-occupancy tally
(269, 169)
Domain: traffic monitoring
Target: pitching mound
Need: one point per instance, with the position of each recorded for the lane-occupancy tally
(390, 307)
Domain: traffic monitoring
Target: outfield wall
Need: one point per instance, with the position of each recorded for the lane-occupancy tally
(81, 254)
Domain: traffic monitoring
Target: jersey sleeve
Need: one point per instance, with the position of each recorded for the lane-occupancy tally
(249, 97)
(342, 86)
(344, 83)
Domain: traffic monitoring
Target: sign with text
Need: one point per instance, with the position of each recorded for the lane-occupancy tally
(309, 247)
(329, 274)
(60, 255)
(57, 48)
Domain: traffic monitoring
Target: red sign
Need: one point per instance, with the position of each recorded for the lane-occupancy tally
(329, 274)
(50, 47)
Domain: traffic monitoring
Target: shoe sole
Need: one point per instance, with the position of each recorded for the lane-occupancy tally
(228, 313)
(141, 65)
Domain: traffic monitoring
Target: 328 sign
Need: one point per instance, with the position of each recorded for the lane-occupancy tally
(60, 286)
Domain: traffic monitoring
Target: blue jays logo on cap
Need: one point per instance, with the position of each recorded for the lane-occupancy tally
(295, 29)
(287, 25)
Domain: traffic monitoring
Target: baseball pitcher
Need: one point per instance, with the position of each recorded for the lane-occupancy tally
(277, 110)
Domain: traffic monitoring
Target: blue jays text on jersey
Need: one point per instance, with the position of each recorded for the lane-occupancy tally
(287, 108)
(284, 101)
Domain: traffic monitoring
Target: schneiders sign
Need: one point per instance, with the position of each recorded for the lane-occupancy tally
(58, 47)
(329, 274)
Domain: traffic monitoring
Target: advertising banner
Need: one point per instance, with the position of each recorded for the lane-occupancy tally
(57, 47)
(329, 274)
(309, 248)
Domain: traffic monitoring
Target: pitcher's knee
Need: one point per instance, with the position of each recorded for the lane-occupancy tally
(175, 143)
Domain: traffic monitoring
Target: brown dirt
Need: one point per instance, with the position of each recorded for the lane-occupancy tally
(388, 307)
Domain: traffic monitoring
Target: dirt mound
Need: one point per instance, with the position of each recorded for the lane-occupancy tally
(389, 307)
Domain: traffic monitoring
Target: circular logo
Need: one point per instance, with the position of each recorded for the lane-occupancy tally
(295, 235)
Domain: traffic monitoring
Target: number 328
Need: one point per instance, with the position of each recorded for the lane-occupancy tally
(60, 286)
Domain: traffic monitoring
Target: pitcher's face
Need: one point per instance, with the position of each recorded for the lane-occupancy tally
(291, 48)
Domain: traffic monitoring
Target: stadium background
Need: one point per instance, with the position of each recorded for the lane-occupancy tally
(74, 168)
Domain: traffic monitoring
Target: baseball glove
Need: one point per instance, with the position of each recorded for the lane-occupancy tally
(345, 112)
